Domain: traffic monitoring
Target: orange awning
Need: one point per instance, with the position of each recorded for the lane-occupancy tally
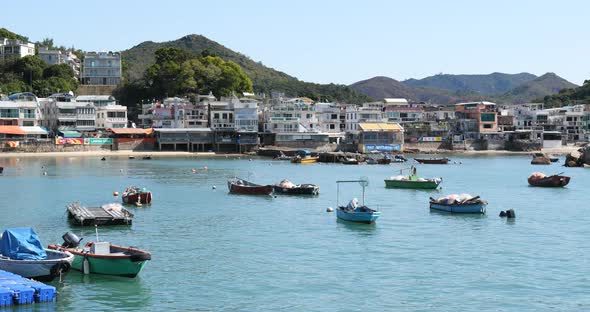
(12, 130)
(131, 131)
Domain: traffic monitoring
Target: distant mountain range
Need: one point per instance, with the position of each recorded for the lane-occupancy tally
(445, 89)
(264, 79)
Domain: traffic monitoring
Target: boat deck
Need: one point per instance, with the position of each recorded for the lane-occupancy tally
(81, 215)
(15, 289)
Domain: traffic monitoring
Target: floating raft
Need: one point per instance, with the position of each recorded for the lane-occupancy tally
(109, 214)
(15, 289)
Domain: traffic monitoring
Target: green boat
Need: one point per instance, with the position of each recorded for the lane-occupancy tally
(412, 181)
(104, 257)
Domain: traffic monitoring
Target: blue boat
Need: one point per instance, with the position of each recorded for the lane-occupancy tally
(471, 205)
(354, 212)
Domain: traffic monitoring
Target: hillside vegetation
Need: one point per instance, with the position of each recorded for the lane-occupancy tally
(264, 79)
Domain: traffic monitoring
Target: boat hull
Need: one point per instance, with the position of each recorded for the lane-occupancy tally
(249, 189)
(41, 270)
(465, 208)
(442, 161)
(360, 217)
(384, 161)
(552, 181)
(119, 265)
(303, 189)
(142, 197)
(310, 160)
(425, 185)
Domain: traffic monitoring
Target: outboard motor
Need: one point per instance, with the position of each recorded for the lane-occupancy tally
(71, 240)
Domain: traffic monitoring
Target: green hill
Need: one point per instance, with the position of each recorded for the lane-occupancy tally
(264, 79)
(5, 33)
(384, 87)
(540, 87)
(570, 96)
(492, 84)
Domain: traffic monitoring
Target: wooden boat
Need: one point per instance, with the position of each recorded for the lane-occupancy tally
(22, 253)
(288, 188)
(412, 181)
(555, 180)
(467, 205)
(306, 160)
(109, 214)
(433, 161)
(240, 186)
(103, 257)
(384, 161)
(353, 212)
(134, 195)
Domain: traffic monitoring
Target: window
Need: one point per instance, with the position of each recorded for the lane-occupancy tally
(487, 126)
(332, 127)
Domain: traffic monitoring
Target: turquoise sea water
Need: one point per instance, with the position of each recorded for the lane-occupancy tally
(212, 251)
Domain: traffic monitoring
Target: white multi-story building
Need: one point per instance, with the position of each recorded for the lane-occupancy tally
(14, 49)
(368, 112)
(21, 109)
(101, 68)
(246, 116)
(51, 57)
(330, 117)
(111, 116)
(61, 111)
(291, 115)
(403, 114)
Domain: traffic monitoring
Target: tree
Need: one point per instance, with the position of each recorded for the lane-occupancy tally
(30, 67)
(46, 42)
(58, 70)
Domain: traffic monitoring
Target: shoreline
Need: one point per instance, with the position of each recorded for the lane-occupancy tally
(560, 151)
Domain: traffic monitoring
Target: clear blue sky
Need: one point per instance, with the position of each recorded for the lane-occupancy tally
(336, 41)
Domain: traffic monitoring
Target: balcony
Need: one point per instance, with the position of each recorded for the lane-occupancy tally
(284, 119)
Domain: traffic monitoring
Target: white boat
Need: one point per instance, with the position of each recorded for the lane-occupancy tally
(57, 263)
(21, 253)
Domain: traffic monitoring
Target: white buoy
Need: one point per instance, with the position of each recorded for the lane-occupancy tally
(44, 172)
(115, 193)
(329, 209)
(121, 170)
(214, 187)
(194, 170)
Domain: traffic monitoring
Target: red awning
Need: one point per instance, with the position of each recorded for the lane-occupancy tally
(12, 130)
(131, 131)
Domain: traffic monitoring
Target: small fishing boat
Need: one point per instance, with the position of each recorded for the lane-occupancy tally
(412, 181)
(131, 157)
(463, 203)
(433, 161)
(384, 161)
(554, 158)
(354, 212)
(288, 188)
(241, 186)
(540, 179)
(349, 161)
(1, 170)
(103, 257)
(306, 160)
(399, 158)
(22, 253)
(133, 195)
(371, 161)
(146, 157)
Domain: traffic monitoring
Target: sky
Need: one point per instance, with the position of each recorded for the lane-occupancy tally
(336, 41)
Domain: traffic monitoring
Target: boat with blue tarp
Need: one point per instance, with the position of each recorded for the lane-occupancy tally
(22, 253)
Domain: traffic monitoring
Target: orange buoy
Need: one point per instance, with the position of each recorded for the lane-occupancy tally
(194, 170)
(115, 193)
